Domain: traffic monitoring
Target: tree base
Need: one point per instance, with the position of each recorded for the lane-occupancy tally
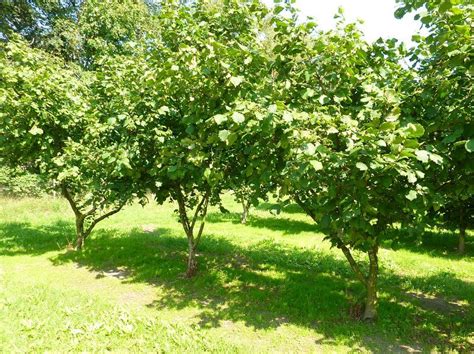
(79, 244)
(191, 272)
(370, 314)
(192, 269)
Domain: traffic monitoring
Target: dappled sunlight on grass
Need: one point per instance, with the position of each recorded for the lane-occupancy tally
(271, 284)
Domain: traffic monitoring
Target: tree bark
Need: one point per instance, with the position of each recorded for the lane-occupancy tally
(245, 212)
(354, 266)
(80, 236)
(370, 310)
(462, 233)
(192, 261)
(188, 225)
(369, 282)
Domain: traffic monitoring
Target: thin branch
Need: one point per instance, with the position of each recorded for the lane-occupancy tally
(91, 212)
(305, 208)
(201, 228)
(182, 211)
(102, 217)
(198, 209)
(70, 199)
(355, 267)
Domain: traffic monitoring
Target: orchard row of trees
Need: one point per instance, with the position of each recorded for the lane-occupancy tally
(113, 100)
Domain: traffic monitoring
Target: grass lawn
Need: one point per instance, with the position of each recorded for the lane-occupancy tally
(273, 285)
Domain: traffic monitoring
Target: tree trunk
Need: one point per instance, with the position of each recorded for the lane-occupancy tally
(245, 212)
(462, 240)
(462, 233)
(201, 210)
(192, 261)
(370, 310)
(80, 236)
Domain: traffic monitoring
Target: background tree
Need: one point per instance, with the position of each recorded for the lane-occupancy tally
(79, 31)
(193, 69)
(45, 24)
(442, 98)
(352, 156)
(44, 127)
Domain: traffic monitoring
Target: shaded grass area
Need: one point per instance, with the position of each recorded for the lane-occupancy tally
(268, 286)
(438, 243)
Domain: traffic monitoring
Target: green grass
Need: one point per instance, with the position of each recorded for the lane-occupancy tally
(273, 285)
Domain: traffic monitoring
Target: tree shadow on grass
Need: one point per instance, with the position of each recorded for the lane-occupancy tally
(289, 209)
(268, 285)
(24, 238)
(439, 243)
(285, 225)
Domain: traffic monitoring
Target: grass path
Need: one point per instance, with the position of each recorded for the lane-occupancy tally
(273, 285)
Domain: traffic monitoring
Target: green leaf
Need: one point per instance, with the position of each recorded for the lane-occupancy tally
(399, 13)
(411, 177)
(415, 130)
(163, 110)
(35, 130)
(232, 138)
(469, 145)
(436, 159)
(445, 6)
(236, 80)
(309, 92)
(310, 149)
(220, 118)
(323, 99)
(412, 195)
(224, 134)
(317, 165)
(422, 155)
(207, 173)
(238, 117)
(287, 117)
(361, 166)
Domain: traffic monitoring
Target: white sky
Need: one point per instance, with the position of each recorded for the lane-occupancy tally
(377, 15)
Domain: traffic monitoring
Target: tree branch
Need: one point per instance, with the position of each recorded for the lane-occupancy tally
(201, 227)
(305, 208)
(70, 199)
(205, 198)
(102, 217)
(355, 267)
(182, 211)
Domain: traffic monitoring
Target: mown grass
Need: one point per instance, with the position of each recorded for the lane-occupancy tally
(272, 285)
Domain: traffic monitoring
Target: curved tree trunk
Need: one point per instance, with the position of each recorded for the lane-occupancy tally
(191, 270)
(80, 235)
(370, 310)
(81, 232)
(369, 282)
(245, 212)
(189, 225)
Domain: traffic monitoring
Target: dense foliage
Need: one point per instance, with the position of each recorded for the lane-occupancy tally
(188, 99)
(16, 182)
(443, 101)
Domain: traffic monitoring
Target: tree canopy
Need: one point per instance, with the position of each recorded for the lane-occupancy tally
(185, 100)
